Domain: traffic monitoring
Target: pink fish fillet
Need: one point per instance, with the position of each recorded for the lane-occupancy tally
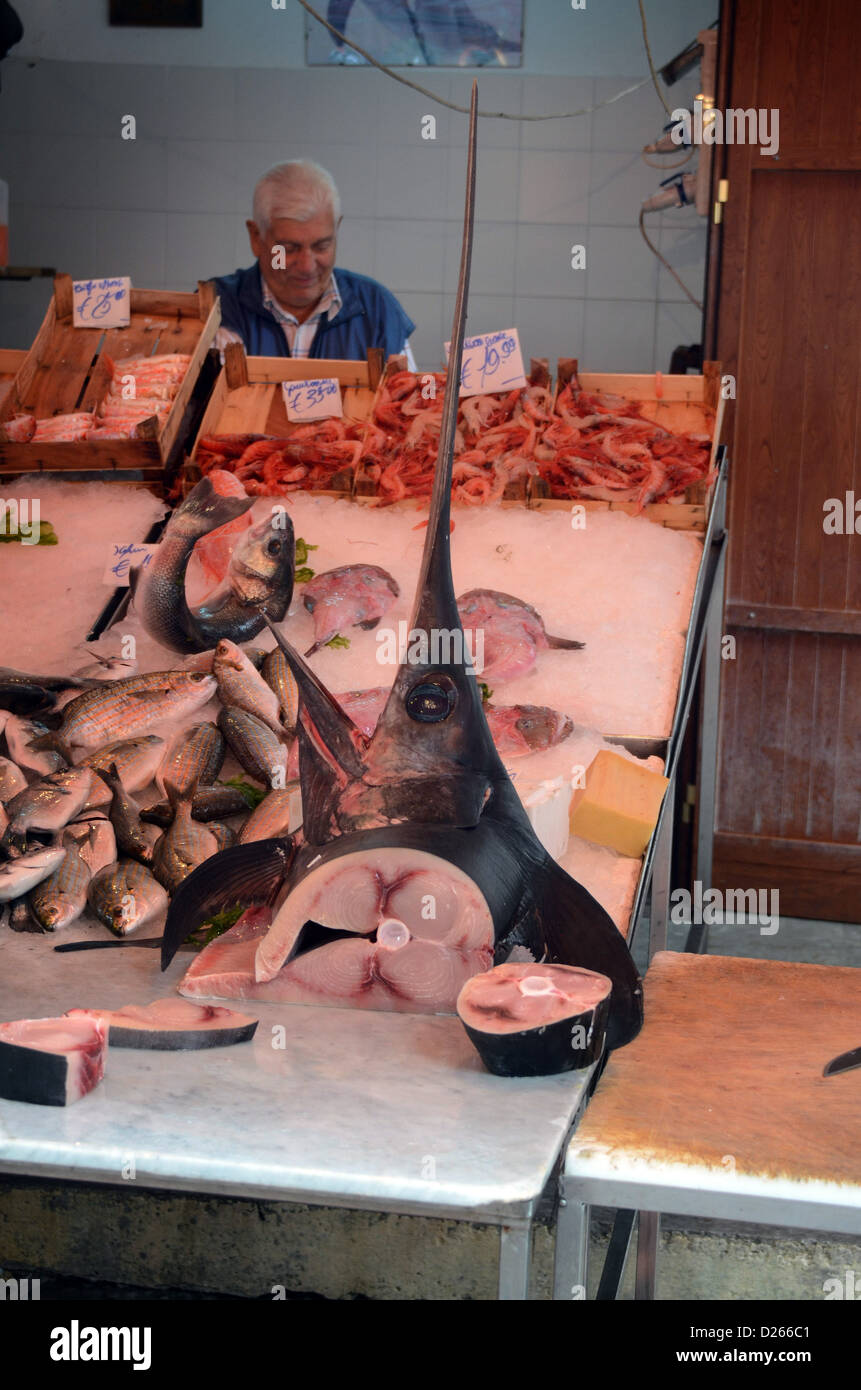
(52, 1061)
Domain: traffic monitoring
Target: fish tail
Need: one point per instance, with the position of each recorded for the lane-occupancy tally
(52, 741)
(204, 509)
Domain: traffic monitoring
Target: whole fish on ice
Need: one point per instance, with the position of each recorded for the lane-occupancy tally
(259, 580)
(417, 867)
(126, 708)
(513, 632)
(350, 596)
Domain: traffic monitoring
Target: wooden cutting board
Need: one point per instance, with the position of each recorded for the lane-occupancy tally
(728, 1070)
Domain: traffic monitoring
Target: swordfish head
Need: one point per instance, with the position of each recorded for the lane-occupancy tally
(419, 867)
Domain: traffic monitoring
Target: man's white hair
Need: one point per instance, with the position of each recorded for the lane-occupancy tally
(298, 189)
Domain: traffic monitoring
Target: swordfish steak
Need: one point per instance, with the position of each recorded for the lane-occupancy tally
(417, 867)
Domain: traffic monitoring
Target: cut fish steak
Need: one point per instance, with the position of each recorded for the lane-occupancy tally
(173, 1025)
(51, 1061)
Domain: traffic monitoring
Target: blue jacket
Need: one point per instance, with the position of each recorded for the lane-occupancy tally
(369, 316)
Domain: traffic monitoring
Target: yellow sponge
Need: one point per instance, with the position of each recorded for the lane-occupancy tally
(619, 804)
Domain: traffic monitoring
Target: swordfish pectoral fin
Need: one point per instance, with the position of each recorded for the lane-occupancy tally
(576, 930)
(244, 875)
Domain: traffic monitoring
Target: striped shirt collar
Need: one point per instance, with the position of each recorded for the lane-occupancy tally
(329, 304)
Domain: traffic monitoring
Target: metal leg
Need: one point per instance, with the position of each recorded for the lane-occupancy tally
(616, 1257)
(572, 1249)
(647, 1254)
(659, 913)
(515, 1248)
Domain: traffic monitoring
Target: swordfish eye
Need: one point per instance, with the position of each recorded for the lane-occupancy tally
(431, 701)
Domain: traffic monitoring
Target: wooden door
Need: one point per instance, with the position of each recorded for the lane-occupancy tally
(784, 316)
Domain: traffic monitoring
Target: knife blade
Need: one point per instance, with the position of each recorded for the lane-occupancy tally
(845, 1062)
(153, 942)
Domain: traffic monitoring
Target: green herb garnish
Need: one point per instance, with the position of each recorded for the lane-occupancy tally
(338, 641)
(216, 925)
(253, 795)
(486, 691)
(47, 534)
(302, 548)
(303, 574)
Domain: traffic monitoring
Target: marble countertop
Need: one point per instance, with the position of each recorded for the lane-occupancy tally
(382, 1111)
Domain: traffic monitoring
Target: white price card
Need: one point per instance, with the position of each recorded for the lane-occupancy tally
(491, 362)
(102, 303)
(123, 556)
(312, 400)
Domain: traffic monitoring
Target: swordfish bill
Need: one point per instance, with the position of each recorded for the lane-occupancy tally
(417, 866)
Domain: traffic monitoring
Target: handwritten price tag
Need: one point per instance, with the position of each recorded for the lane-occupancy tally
(312, 400)
(491, 362)
(122, 558)
(101, 303)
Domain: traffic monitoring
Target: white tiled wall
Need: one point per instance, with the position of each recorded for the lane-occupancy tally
(169, 207)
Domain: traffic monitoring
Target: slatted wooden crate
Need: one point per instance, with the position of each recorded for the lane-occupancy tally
(679, 403)
(67, 369)
(11, 360)
(247, 399)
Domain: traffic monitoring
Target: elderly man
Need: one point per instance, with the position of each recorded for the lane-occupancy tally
(294, 302)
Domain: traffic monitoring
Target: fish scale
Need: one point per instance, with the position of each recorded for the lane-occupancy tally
(195, 757)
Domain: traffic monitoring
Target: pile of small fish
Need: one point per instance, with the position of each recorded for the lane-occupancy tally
(72, 831)
(141, 388)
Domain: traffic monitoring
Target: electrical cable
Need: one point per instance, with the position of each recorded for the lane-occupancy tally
(452, 105)
(652, 247)
(649, 56)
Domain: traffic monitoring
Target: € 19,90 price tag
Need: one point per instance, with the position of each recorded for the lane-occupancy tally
(123, 556)
(491, 362)
(312, 400)
(102, 303)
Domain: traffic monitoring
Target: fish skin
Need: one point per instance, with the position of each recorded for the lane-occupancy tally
(184, 845)
(259, 579)
(51, 803)
(60, 899)
(241, 687)
(208, 804)
(19, 735)
(225, 835)
(271, 819)
(94, 839)
(202, 661)
(18, 876)
(348, 596)
(506, 621)
(129, 707)
(429, 779)
(145, 898)
(195, 756)
(256, 747)
(12, 780)
(132, 840)
(278, 676)
(136, 759)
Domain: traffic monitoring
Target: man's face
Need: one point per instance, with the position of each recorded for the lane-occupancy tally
(308, 257)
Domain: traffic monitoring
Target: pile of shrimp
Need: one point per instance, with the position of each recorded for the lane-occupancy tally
(601, 446)
(495, 439)
(309, 458)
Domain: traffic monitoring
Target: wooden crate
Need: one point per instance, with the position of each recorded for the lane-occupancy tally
(247, 399)
(679, 403)
(11, 360)
(67, 369)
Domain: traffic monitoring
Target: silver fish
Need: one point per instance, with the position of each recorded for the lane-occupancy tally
(278, 814)
(256, 747)
(195, 756)
(134, 840)
(19, 875)
(208, 804)
(51, 803)
(280, 678)
(125, 896)
(259, 579)
(185, 844)
(202, 661)
(93, 837)
(127, 708)
(136, 760)
(241, 687)
(60, 899)
(12, 780)
(19, 734)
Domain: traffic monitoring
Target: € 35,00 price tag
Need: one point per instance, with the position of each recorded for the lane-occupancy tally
(101, 303)
(123, 556)
(491, 362)
(312, 400)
